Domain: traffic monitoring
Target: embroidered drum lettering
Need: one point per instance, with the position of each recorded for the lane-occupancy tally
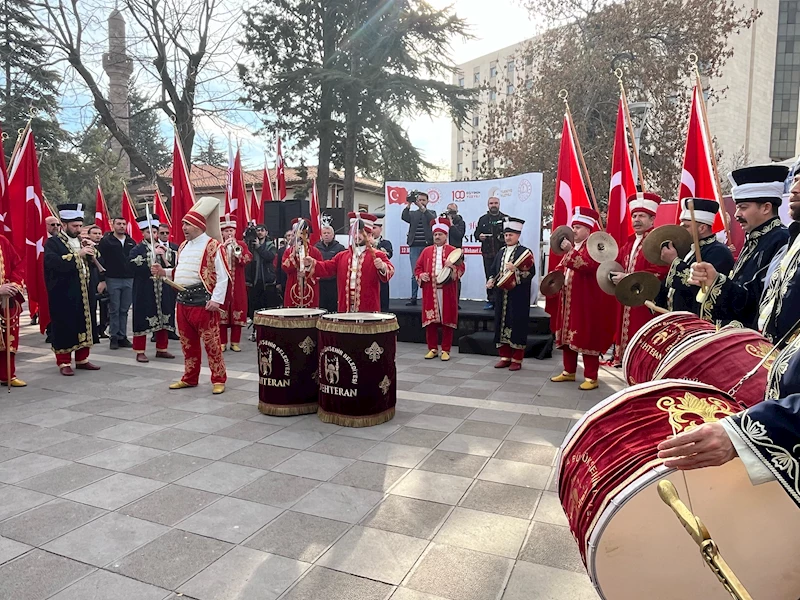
(287, 368)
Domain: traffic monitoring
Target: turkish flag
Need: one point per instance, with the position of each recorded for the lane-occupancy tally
(697, 180)
(570, 192)
(280, 174)
(28, 211)
(255, 207)
(101, 219)
(316, 221)
(182, 192)
(129, 214)
(237, 204)
(266, 189)
(5, 223)
(161, 210)
(396, 195)
(618, 222)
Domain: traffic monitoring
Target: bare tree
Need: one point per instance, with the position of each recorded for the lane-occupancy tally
(183, 53)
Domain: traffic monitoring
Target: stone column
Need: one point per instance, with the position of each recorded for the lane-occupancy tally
(119, 66)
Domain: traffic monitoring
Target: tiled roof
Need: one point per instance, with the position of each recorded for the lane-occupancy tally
(208, 178)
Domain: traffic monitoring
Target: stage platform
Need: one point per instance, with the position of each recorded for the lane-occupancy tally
(475, 333)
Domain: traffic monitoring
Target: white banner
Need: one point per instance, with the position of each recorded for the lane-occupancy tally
(520, 196)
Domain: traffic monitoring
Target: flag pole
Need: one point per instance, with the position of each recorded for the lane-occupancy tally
(277, 155)
(629, 123)
(563, 94)
(723, 210)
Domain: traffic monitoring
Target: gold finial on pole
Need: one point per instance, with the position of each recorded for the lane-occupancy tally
(618, 72)
(564, 94)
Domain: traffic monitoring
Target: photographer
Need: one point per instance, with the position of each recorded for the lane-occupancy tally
(419, 233)
(490, 233)
(260, 273)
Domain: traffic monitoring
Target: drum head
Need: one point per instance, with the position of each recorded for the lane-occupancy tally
(456, 256)
(359, 317)
(289, 313)
(444, 275)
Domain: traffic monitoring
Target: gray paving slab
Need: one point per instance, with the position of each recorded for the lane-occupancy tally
(411, 436)
(248, 430)
(543, 422)
(408, 516)
(106, 539)
(515, 473)
(299, 439)
(260, 456)
(28, 465)
(102, 585)
(339, 502)
(128, 431)
(230, 519)
(14, 500)
(169, 505)
(538, 582)
(65, 479)
(374, 554)
(436, 487)
(244, 573)
(446, 424)
(550, 511)
(333, 585)
(171, 559)
(48, 521)
(54, 418)
(78, 447)
(220, 478)
(169, 467)
(239, 411)
(460, 574)
(484, 532)
(169, 439)
(370, 476)
(206, 423)
(469, 444)
(277, 489)
(402, 593)
(553, 546)
(453, 463)
(10, 549)
(449, 410)
(167, 417)
(534, 454)
(508, 500)
(533, 435)
(344, 446)
(298, 536)
(122, 457)
(500, 417)
(376, 432)
(397, 455)
(38, 575)
(313, 465)
(113, 492)
(483, 429)
(213, 447)
(9, 453)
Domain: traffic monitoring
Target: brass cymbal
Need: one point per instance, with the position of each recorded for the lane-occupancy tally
(552, 284)
(602, 247)
(637, 288)
(603, 271)
(660, 236)
(561, 232)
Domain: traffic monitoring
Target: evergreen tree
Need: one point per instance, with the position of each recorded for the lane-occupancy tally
(211, 155)
(145, 132)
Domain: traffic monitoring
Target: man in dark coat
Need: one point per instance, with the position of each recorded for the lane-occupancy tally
(168, 260)
(489, 232)
(736, 295)
(419, 236)
(458, 229)
(329, 247)
(153, 300)
(678, 293)
(512, 306)
(116, 248)
(69, 293)
(97, 282)
(384, 246)
(260, 273)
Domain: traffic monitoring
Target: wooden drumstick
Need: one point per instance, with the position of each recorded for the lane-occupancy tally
(655, 308)
(696, 241)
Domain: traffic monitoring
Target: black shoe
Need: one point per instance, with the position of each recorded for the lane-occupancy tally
(173, 336)
(488, 306)
(153, 338)
(103, 336)
(114, 344)
(412, 302)
(125, 343)
(35, 319)
(459, 307)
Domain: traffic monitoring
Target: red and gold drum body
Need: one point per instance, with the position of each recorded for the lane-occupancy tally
(723, 359)
(632, 544)
(287, 360)
(356, 370)
(651, 344)
(508, 280)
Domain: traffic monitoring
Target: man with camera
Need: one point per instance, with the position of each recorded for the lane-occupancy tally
(419, 233)
(458, 229)
(490, 233)
(260, 272)
(328, 247)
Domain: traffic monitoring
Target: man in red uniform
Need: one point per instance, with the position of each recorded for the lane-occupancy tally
(439, 301)
(12, 273)
(233, 313)
(302, 285)
(643, 207)
(359, 270)
(202, 271)
(584, 326)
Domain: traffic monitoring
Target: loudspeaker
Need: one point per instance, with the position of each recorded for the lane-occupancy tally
(278, 216)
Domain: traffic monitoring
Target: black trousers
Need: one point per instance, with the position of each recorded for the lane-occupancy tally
(384, 296)
(488, 261)
(329, 295)
(261, 296)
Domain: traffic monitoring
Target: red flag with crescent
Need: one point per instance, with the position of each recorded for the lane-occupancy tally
(618, 223)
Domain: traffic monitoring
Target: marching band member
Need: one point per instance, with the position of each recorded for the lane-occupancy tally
(358, 270)
(12, 274)
(302, 285)
(439, 301)
(153, 300)
(776, 310)
(511, 307)
(680, 294)
(384, 246)
(201, 269)
(580, 330)
(168, 259)
(66, 275)
(643, 207)
(233, 313)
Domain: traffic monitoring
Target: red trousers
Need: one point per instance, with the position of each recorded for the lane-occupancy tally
(591, 363)
(508, 353)
(197, 326)
(65, 359)
(3, 368)
(162, 342)
(236, 334)
(432, 337)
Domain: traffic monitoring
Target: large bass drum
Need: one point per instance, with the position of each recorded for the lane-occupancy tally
(632, 544)
(654, 340)
(357, 372)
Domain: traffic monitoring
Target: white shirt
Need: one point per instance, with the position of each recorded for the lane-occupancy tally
(188, 270)
(357, 252)
(74, 243)
(437, 261)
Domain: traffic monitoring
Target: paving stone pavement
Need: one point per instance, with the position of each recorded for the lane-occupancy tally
(113, 486)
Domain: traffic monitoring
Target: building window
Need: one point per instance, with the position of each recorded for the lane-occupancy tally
(510, 89)
(461, 82)
(460, 146)
(493, 69)
(491, 163)
(509, 135)
(476, 76)
(459, 168)
(529, 84)
(786, 88)
(476, 120)
(474, 166)
(493, 95)
(510, 67)
(460, 136)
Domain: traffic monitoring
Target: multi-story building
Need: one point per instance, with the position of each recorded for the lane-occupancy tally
(754, 121)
